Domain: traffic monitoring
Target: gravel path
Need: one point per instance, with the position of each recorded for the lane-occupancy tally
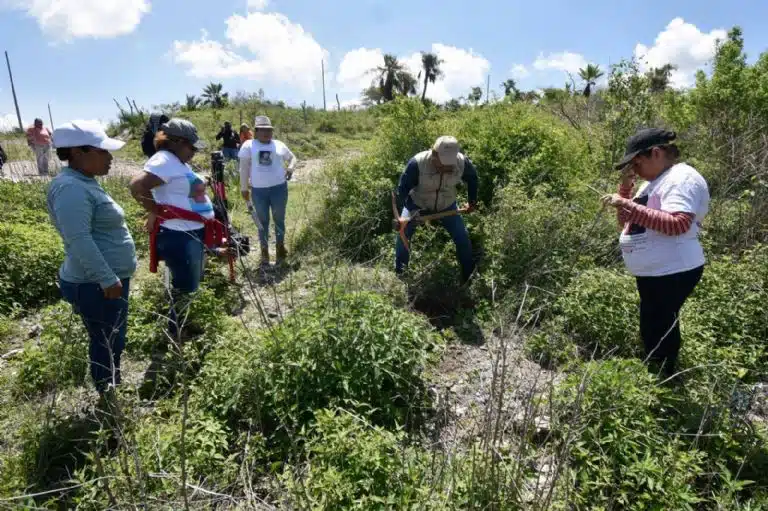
(18, 171)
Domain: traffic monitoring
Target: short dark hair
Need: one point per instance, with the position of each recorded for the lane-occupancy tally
(65, 153)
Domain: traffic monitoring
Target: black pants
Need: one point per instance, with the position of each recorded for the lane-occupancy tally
(661, 299)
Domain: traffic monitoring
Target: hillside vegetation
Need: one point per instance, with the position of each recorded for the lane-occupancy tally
(319, 387)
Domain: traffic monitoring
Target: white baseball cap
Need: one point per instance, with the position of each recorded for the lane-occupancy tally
(84, 133)
(447, 149)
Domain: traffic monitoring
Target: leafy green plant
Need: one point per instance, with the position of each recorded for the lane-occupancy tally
(338, 349)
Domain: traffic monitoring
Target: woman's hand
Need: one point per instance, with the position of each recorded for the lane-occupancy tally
(114, 291)
(613, 199)
(628, 177)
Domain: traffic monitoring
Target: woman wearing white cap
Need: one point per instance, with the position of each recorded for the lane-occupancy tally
(264, 173)
(100, 254)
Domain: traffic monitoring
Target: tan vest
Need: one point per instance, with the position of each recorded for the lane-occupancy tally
(436, 191)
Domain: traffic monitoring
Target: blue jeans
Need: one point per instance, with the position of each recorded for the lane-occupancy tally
(264, 199)
(230, 153)
(182, 252)
(106, 323)
(455, 227)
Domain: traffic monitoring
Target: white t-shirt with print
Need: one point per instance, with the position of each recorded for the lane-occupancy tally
(183, 189)
(267, 162)
(648, 253)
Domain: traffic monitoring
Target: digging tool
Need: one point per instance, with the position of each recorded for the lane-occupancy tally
(400, 223)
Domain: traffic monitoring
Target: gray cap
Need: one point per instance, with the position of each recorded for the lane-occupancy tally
(262, 121)
(182, 128)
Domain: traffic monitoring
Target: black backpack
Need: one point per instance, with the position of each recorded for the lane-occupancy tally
(148, 139)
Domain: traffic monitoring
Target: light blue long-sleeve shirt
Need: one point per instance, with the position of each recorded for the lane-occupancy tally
(98, 246)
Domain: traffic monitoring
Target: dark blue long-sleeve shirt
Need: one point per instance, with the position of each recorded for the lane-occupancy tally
(409, 179)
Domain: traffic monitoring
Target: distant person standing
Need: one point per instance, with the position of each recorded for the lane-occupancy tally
(265, 167)
(39, 140)
(245, 133)
(100, 256)
(659, 239)
(230, 141)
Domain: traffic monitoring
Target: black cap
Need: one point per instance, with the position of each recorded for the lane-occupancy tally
(644, 140)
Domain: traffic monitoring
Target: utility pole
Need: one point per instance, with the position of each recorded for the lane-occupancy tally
(322, 65)
(488, 90)
(50, 117)
(13, 91)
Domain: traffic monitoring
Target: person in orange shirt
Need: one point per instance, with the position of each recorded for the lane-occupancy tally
(39, 140)
(245, 133)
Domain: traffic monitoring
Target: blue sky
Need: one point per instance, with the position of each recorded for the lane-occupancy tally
(79, 54)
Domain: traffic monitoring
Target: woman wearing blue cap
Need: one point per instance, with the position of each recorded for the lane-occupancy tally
(659, 239)
(100, 254)
(181, 219)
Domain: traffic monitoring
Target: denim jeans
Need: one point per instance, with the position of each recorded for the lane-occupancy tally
(230, 153)
(455, 227)
(273, 198)
(106, 323)
(182, 252)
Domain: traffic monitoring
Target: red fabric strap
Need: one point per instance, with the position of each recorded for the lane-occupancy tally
(215, 231)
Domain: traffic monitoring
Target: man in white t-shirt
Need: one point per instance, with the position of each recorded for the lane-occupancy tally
(659, 238)
(265, 167)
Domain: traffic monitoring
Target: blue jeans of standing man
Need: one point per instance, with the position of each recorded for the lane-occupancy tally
(106, 323)
(274, 198)
(455, 227)
(230, 153)
(182, 252)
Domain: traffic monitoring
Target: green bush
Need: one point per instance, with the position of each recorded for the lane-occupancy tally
(619, 454)
(726, 321)
(540, 241)
(59, 357)
(338, 349)
(29, 265)
(354, 464)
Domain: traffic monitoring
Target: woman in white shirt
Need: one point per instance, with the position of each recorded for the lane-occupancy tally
(181, 216)
(659, 239)
(265, 167)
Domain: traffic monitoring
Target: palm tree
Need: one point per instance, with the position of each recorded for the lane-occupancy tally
(430, 65)
(372, 95)
(658, 77)
(213, 95)
(590, 75)
(475, 95)
(192, 102)
(389, 76)
(510, 88)
(405, 83)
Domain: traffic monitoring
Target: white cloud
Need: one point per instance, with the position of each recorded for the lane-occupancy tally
(354, 71)
(683, 45)
(519, 71)
(564, 61)
(462, 70)
(278, 51)
(257, 5)
(69, 19)
(8, 122)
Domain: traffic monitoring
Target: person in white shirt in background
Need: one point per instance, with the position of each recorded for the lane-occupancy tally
(266, 166)
(659, 239)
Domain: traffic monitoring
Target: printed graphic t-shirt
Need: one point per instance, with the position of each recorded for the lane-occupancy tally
(183, 189)
(267, 162)
(648, 253)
